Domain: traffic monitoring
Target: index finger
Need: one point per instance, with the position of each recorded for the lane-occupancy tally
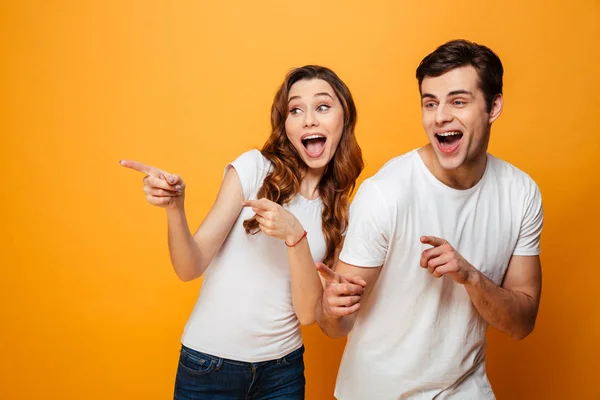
(138, 166)
(263, 203)
(327, 273)
(433, 241)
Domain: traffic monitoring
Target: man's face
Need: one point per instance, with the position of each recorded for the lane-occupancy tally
(455, 116)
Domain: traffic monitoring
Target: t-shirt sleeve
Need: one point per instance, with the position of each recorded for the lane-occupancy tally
(528, 243)
(369, 229)
(251, 167)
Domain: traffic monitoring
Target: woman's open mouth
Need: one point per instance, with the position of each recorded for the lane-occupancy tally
(314, 144)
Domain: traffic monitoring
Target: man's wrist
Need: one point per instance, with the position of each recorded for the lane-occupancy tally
(473, 277)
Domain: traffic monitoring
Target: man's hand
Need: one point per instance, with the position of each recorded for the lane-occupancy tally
(342, 294)
(443, 259)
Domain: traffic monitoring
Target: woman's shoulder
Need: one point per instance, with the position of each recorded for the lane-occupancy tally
(252, 159)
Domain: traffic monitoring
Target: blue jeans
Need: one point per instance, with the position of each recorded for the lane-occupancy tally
(206, 377)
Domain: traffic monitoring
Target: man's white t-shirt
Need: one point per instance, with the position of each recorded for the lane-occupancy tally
(417, 336)
(244, 311)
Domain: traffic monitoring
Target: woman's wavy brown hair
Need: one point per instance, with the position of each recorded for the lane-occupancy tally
(339, 179)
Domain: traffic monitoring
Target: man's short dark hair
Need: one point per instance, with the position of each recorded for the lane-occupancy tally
(459, 53)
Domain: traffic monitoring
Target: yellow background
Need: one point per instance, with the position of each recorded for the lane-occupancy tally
(90, 308)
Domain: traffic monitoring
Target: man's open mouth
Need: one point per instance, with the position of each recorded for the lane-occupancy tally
(449, 140)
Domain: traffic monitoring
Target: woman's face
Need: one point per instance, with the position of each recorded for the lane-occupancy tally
(314, 122)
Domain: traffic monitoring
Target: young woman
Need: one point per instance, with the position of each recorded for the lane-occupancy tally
(278, 211)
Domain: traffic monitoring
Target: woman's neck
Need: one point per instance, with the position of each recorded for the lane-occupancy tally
(309, 186)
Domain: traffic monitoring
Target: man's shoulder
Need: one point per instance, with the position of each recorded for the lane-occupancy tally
(508, 174)
(396, 169)
(391, 181)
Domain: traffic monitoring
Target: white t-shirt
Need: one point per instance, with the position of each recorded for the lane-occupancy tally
(417, 336)
(244, 311)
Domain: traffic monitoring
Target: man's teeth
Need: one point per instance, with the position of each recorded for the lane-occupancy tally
(449, 133)
(313, 137)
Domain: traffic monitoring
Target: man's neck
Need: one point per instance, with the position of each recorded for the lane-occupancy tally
(464, 177)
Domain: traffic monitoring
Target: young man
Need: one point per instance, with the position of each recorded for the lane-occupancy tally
(446, 238)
